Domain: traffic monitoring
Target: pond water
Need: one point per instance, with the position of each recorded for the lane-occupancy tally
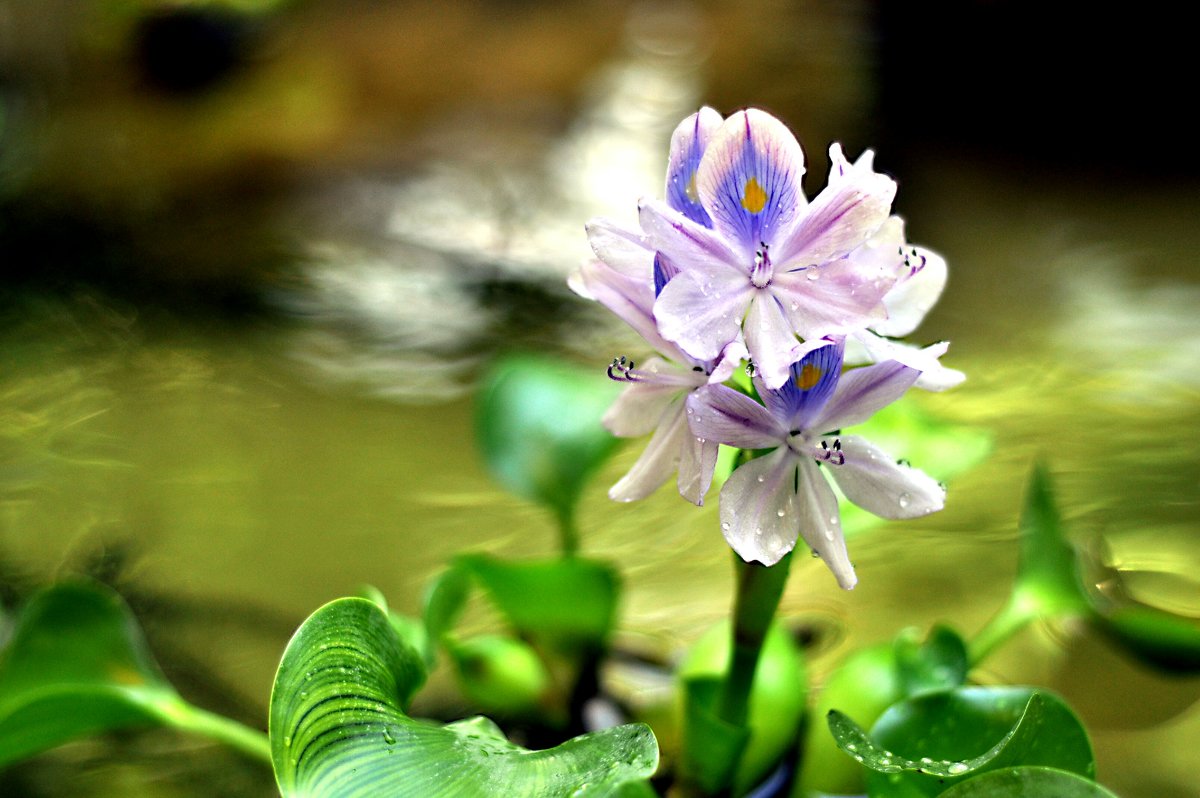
(232, 470)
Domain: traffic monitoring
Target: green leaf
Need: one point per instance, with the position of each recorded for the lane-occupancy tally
(499, 674)
(1048, 580)
(1028, 782)
(538, 426)
(1157, 638)
(937, 663)
(77, 664)
(338, 729)
(922, 744)
(444, 602)
(568, 601)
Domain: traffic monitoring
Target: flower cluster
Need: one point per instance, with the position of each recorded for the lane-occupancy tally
(737, 264)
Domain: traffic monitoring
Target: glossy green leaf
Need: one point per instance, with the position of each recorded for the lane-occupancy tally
(862, 687)
(538, 425)
(1028, 782)
(338, 729)
(444, 602)
(939, 662)
(921, 745)
(77, 664)
(570, 601)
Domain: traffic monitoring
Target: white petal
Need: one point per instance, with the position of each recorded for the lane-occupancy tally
(874, 481)
(702, 314)
(639, 408)
(698, 460)
(912, 297)
(758, 507)
(658, 461)
(770, 339)
(839, 219)
(821, 523)
(934, 376)
(629, 298)
(623, 249)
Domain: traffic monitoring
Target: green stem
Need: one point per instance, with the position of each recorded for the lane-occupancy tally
(568, 533)
(759, 589)
(1003, 625)
(250, 742)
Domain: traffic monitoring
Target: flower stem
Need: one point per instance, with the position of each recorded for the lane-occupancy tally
(248, 741)
(1012, 618)
(759, 589)
(568, 532)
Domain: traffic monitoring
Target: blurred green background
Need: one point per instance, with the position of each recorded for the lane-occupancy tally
(257, 253)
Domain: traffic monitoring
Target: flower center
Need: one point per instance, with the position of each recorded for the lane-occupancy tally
(762, 271)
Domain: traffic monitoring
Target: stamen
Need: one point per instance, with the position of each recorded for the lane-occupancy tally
(762, 271)
(621, 370)
(833, 455)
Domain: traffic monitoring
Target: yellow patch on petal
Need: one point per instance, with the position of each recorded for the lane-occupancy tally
(810, 375)
(754, 198)
(690, 190)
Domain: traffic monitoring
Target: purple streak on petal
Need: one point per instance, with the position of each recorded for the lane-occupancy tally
(721, 414)
(664, 270)
(874, 481)
(811, 381)
(759, 507)
(820, 522)
(727, 362)
(862, 392)
(698, 459)
(658, 460)
(749, 179)
(689, 246)
(839, 219)
(688, 143)
(702, 313)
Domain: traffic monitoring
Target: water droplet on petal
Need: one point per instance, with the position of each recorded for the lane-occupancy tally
(690, 411)
(812, 274)
(761, 478)
(724, 526)
(905, 500)
(780, 513)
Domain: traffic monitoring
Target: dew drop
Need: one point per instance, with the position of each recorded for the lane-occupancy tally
(761, 478)
(829, 534)
(690, 411)
(956, 768)
(388, 737)
(812, 274)
(700, 441)
(905, 500)
(758, 531)
(780, 513)
(725, 526)
(287, 741)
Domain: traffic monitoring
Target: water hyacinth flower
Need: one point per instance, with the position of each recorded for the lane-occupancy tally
(771, 500)
(748, 253)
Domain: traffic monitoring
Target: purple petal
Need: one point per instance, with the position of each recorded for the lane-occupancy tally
(629, 298)
(821, 524)
(862, 392)
(689, 246)
(759, 507)
(749, 179)
(809, 384)
(875, 482)
(839, 219)
(658, 461)
(835, 299)
(688, 143)
(719, 413)
(703, 313)
(772, 344)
